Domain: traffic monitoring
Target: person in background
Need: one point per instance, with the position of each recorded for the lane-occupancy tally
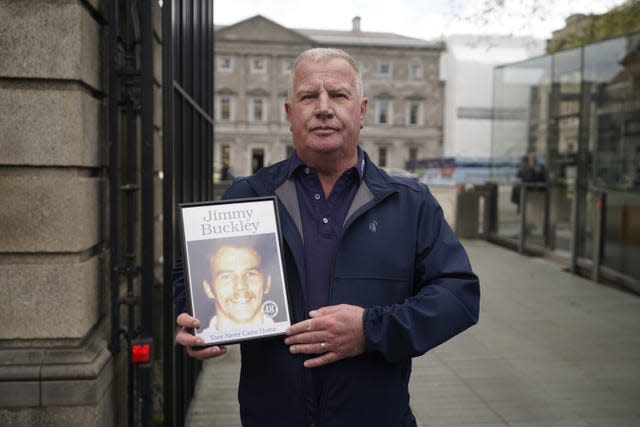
(536, 171)
(225, 171)
(375, 275)
(522, 176)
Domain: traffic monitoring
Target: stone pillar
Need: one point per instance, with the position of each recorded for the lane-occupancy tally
(55, 368)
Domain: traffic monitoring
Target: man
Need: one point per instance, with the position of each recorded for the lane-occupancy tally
(375, 275)
(237, 287)
(536, 171)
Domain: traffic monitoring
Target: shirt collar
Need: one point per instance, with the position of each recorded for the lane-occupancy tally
(296, 163)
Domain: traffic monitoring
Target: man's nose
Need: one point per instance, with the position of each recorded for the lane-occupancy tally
(239, 282)
(324, 109)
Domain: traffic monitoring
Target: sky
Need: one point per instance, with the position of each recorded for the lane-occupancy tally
(423, 19)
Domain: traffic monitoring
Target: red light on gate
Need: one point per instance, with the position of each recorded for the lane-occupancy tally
(141, 353)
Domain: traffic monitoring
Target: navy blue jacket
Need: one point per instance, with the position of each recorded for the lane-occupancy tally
(397, 258)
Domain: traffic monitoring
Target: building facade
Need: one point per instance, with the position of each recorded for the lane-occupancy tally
(253, 66)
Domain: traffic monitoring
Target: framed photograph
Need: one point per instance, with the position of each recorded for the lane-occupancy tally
(234, 269)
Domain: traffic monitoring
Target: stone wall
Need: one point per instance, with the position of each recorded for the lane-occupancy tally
(55, 368)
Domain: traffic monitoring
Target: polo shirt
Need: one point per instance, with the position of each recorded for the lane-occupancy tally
(322, 220)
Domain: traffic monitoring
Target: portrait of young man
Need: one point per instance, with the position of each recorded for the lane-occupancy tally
(236, 283)
(237, 287)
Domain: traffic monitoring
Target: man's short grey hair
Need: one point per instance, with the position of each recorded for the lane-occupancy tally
(323, 54)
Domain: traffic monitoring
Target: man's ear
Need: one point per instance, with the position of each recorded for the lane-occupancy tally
(363, 111)
(207, 289)
(267, 285)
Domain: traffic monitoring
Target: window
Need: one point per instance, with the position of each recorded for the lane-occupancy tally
(413, 154)
(225, 63)
(287, 66)
(258, 65)
(383, 112)
(257, 159)
(415, 72)
(225, 108)
(257, 110)
(384, 69)
(413, 113)
(382, 157)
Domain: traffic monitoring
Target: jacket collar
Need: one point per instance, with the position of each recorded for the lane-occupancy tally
(269, 179)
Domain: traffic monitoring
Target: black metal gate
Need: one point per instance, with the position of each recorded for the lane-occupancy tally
(187, 163)
(131, 195)
(137, 272)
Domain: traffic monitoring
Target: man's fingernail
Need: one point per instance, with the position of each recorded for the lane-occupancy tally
(199, 341)
(195, 324)
(313, 312)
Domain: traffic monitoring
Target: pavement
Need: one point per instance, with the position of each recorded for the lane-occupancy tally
(552, 349)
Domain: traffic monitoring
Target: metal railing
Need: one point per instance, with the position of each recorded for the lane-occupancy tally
(186, 174)
(187, 165)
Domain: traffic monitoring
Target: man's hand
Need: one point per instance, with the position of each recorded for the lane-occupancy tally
(189, 341)
(335, 332)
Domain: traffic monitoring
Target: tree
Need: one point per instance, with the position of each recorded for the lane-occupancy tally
(584, 29)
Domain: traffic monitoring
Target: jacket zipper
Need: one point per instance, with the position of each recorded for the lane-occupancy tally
(368, 206)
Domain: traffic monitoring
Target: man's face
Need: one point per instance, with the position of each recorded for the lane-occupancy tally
(325, 110)
(237, 283)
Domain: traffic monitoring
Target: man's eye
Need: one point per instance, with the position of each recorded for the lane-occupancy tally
(253, 273)
(224, 276)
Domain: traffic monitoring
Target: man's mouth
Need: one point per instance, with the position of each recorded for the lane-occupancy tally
(324, 130)
(241, 300)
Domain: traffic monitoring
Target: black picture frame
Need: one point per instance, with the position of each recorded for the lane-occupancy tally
(234, 269)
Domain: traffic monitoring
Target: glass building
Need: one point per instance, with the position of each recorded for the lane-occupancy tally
(572, 121)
